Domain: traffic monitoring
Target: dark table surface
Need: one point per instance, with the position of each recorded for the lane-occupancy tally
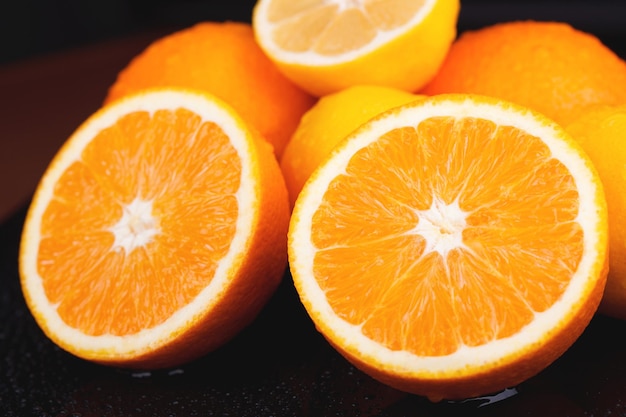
(280, 365)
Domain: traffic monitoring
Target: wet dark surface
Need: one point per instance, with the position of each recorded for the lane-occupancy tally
(279, 366)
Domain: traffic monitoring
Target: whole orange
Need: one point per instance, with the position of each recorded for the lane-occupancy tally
(225, 60)
(602, 133)
(549, 66)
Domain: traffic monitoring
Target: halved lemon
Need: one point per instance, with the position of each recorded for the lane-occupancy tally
(328, 45)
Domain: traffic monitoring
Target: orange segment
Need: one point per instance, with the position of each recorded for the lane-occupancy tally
(155, 219)
(453, 246)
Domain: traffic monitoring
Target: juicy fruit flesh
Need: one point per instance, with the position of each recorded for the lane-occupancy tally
(316, 26)
(162, 231)
(451, 236)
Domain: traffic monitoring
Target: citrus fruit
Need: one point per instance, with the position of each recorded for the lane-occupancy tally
(453, 246)
(602, 134)
(325, 46)
(329, 121)
(158, 231)
(225, 60)
(548, 66)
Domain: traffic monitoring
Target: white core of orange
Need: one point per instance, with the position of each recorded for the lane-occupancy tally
(442, 226)
(136, 227)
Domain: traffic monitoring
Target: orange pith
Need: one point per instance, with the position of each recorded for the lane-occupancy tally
(90, 199)
(479, 288)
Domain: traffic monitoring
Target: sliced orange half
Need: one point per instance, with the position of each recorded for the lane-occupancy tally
(158, 231)
(328, 45)
(452, 247)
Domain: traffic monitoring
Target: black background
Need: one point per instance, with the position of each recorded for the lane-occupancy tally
(31, 27)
